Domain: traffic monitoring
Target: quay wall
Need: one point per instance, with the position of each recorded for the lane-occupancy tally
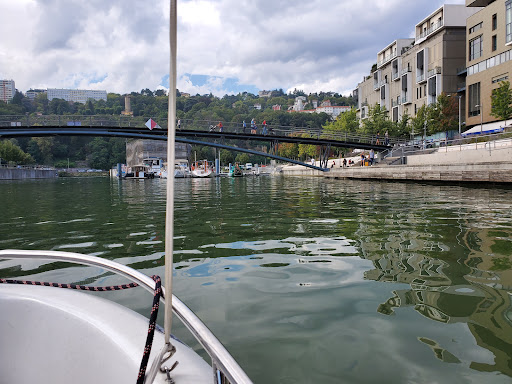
(463, 155)
(26, 173)
(481, 173)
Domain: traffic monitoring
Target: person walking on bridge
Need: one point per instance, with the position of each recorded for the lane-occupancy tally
(264, 127)
(220, 126)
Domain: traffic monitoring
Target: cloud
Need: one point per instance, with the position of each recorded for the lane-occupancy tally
(122, 45)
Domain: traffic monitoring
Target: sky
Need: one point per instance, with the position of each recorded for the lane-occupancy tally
(224, 46)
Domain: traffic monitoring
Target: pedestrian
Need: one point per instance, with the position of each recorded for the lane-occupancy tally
(220, 126)
(386, 138)
(333, 164)
(362, 159)
(244, 126)
(253, 126)
(264, 127)
(377, 142)
(372, 156)
(179, 123)
(344, 162)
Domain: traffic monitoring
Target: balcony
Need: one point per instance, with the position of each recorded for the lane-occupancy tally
(386, 59)
(478, 3)
(461, 87)
(406, 99)
(433, 72)
(420, 79)
(395, 76)
(395, 103)
(430, 30)
(405, 70)
(462, 71)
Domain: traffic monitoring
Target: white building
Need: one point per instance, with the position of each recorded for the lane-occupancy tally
(265, 93)
(333, 110)
(300, 101)
(76, 95)
(7, 90)
(32, 93)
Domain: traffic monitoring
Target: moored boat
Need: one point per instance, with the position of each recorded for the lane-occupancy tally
(201, 169)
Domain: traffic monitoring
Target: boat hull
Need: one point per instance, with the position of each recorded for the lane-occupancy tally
(57, 336)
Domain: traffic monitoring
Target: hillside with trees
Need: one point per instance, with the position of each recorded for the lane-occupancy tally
(103, 153)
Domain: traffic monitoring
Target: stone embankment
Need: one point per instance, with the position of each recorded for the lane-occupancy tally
(26, 173)
(454, 164)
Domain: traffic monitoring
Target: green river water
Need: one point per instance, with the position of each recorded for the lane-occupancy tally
(304, 280)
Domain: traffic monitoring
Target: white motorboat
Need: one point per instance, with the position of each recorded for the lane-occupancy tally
(201, 169)
(154, 164)
(181, 169)
(51, 335)
(139, 172)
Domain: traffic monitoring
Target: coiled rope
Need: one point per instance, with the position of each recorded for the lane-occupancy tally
(152, 318)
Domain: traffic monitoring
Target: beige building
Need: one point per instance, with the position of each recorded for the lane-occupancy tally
(413, 72)
(489, 59)
(137, 150)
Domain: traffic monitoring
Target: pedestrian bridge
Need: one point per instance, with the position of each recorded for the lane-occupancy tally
(192, 132)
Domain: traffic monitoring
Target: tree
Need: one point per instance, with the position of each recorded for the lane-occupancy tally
(225, 156)
(501, 100)
(11, 152)
(242, 158)
(377, 121)
(346, 122)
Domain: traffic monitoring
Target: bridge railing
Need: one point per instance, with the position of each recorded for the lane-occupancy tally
(195, 125)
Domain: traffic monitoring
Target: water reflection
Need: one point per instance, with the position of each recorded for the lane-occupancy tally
(322, 279)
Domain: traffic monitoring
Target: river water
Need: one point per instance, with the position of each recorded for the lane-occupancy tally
(304, 280)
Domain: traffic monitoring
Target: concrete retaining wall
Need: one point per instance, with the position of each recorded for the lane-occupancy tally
(23, 173)
(464, 155)
(489, 173)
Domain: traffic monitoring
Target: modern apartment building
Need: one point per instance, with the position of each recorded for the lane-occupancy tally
(413, 72)
(489, 58)
(7, 90)
(76, 95)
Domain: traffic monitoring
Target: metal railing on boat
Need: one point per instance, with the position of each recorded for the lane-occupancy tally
(224, 365)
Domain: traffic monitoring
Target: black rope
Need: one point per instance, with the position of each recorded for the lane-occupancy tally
(152, 318)
(151, 330)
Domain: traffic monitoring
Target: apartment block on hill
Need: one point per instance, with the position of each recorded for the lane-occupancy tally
(76, 95)
(7, 90)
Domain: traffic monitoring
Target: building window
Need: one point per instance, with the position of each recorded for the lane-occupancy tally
(475, 28)
(474, 99)
(494, 43)
(476, 47)
(508, 20)
(494, 21)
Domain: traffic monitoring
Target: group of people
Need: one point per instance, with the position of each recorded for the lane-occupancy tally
(386, 138)
(370, 159)
(254, 127)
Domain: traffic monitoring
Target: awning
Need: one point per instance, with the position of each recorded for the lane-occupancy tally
(485, 129)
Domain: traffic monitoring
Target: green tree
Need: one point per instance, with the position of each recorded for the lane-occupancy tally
(377, 121)
(10, 152)
(501, 101)
(346, 122)
(242, 158)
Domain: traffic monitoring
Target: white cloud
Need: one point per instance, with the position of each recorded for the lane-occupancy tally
(122, 45)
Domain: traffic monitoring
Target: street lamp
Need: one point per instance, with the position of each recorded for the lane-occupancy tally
(481, 117)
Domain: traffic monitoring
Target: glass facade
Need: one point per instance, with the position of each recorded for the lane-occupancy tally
(508, 20)
(476, 48)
